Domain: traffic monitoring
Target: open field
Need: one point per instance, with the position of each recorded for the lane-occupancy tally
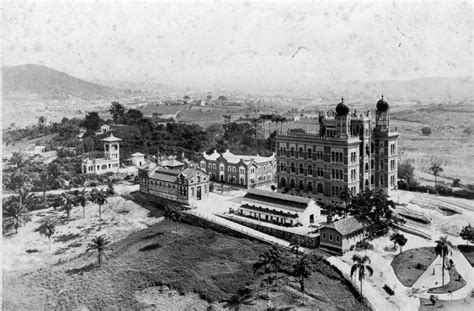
(447, 144)
(404, 264)
(169, 267)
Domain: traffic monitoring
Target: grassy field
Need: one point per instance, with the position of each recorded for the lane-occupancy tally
(455, 282)
(404, 264)
(199, 264)
(468, 252)
(447, 144)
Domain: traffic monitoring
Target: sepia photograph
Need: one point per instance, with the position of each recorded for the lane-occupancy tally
(237, 155)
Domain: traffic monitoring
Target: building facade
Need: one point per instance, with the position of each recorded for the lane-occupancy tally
(339, 236)
(183, 186)
(109, 163)
(348, 151)
(278, 208)
(240, 170)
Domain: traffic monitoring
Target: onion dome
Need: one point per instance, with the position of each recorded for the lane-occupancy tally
(382, 105)
(342, 109)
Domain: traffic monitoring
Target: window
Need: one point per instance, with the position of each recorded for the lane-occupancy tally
(337, 238)
(234, 169)
(330, 237)
(241, 170)
(333, 157)
(310, 170)
(292, 151)
(301, 169)
(252, 171)
(309, 153)
(264, 167)
(229, 169)
(293, 167)
(198, 178)
(324, 236)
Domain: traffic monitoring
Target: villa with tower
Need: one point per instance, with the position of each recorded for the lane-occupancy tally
(347, 152)
(109, 163)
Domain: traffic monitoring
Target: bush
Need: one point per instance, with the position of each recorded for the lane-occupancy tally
(420, 266)
(426, 131)
(364, 245)
(456, 183)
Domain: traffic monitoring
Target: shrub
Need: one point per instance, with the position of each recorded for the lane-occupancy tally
(456, 183)
(426, 131)
(420, 266)
(364, 245)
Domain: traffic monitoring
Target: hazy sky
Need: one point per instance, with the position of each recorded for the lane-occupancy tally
(212, 44)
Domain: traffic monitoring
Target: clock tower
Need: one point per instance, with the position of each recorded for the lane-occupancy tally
(112, 148)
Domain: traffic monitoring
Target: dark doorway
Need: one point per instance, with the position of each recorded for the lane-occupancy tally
(198, 192)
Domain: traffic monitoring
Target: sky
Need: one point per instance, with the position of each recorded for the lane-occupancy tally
(242, 44)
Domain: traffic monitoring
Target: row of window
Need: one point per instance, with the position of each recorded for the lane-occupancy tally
(353, 157)
(331, 237)
(337, 157)
(337, 174)
(230, 169)
(353, 174)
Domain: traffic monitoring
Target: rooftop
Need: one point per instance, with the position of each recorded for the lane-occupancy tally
(279, 200)
(347, 225)
(234, 158)
(111, 138)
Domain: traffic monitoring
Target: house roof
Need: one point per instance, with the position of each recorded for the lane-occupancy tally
(235, 158)
(347, 225)
(279, 200)
(137, 154)
(170, 163)
(164, 174)
(111, 138)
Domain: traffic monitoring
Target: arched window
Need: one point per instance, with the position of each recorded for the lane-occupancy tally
(301, 169)
(282, 182)
(310, 170)
(293, 169)
(372, 164)
(320, 188)
(292, 152)
(372, 180)
(372, 147)
(104, 166)
(366, 167)
(333, 173)
(366, 183)
(310, 186)
(310, 153)
(301, 185)
(292, 184)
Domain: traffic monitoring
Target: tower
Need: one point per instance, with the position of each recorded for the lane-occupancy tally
(386, 149)
(343, 120)
(112, 148)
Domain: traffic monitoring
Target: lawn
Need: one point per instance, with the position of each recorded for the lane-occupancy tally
(468, 252)
(191, 262)
(455, 282)
(405, 264)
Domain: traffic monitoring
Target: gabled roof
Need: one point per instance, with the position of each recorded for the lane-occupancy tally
(137, 154)
(279, 200)
(111, 138)
(164, 174)
(347, 225)
(170, 163)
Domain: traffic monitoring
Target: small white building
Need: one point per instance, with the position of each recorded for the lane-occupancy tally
(110, 162)
(39, 149)
(138, 159)
(105, 128)
(278, 208)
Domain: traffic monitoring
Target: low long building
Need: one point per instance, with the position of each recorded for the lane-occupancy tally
(281, 209)
(243, 170)
(183, 186)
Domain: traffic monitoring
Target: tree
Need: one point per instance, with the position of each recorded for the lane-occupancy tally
(19, 182)
(295, 245)
(47, 176)
(426, 131)
(82, 198)
(361, 267)
(301, 270)
(41, 123)
(222, 98)
(443, 246)
(117, 111)
(275, 255)
(67, 201)
(19, 159)
(273, 187)
(346, 197)
(209, 97)
(467, 131)
(98, 244)
(99, 198)
(399, 239)
(456, 183)
(186, 97)
(132, 116)
(467, 234)
(406, 171)
(47, 229)
(436, 169)
(92, 121)
(15, 212)
(263, 262)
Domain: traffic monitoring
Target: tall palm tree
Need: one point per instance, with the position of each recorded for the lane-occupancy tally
(47, 229)
(176, 217)
(295, 246)
(82, 198)
(436, 169)
(361, 266)
(276, 258)
(443, 246)
(16, 212)
(67, 201)
(98, 244)
(99, 198)
(263, 263)
(301, 270)
(169, 214)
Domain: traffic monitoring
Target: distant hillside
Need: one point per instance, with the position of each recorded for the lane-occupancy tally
(46, 83)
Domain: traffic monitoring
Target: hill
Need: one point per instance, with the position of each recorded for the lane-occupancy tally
(40, 82)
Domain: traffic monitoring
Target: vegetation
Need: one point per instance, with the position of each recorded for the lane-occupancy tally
(467, 234)
(263, 263)
(426, 130)
(99, 198)
(47, 229)
(443, 247)
(99, 244)
(361, 267)
(436, 169)
(456, 281)
(301, 270)
(410, 265)
(399, 239)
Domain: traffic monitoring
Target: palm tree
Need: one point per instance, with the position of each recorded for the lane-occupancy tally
(82, 198)
(169, 214)
(47, 229)
(275, 255)
(301, 270)
(99, 198)
(67, 200)
(19, 159)
(100, 245)
(436, 169)
(176, 217)
(361, 265)
(295, 246)
(15, 211)
(443, 246)
(264, 261)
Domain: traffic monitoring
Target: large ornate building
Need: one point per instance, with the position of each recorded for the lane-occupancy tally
(184, 186)
(242, 170)
(109, 163)
(347, 151)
